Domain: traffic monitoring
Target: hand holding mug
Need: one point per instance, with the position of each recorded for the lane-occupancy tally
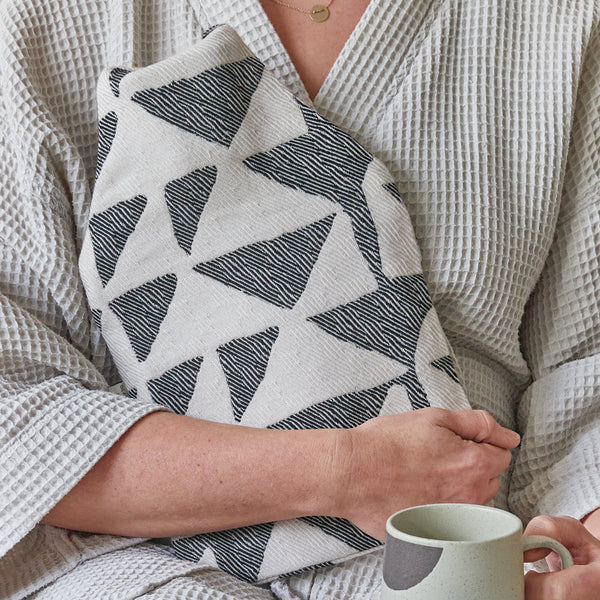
(581, 582)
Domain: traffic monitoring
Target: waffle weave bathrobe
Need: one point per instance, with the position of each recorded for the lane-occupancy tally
(486, 113)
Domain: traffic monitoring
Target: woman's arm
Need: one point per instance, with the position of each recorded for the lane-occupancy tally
(176, 475)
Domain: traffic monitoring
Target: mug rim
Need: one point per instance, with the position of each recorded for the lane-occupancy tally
(427, 541)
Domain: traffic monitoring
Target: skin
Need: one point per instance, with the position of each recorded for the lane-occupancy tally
(592, 522)
(314, 47)
(176, 475)
(581, 581)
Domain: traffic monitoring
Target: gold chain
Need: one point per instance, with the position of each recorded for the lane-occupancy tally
(319, 12)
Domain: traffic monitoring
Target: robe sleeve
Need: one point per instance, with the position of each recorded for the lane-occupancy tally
(557, 468)
(57, 417)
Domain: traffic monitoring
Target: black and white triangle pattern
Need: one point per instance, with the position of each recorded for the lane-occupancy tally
(110, 230)
(237, 551)
(186, 198)
(107, 129)
(237, 329)
(387, 320)
(344, 531)
(342, 412)
(212, 104)
(326, 162)
(97, 317)
(244, 362)
(142, 311)
(445, 364)
(114, 78)
(175, 387)
(275, 270)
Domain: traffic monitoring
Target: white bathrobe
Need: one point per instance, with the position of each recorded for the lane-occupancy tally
(486, 113)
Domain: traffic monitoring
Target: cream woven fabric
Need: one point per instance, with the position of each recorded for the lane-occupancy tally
(486, 114)
(248, 262)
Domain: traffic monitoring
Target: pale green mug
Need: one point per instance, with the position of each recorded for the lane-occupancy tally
(458, 552)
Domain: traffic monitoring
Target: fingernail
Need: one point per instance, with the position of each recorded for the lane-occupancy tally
(515, 435)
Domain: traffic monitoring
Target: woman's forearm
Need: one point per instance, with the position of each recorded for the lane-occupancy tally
(175, 475)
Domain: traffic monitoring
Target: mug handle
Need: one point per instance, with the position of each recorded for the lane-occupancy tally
(541, 541)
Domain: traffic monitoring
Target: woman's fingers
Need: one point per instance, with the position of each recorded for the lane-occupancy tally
(567, 530)
(498, 459)
(479, 426)
(580, 582)
(388, 466)
(583, 546)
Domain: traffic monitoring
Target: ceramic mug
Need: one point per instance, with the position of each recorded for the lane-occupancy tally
(458, 552)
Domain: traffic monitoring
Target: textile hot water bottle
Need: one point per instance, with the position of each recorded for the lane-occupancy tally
(248, 262)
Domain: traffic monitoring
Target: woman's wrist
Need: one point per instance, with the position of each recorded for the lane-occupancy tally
(339, 473)
(322, 475)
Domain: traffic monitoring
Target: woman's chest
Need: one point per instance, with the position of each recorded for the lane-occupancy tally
(475, 131)
(314, 44)
(469, 105)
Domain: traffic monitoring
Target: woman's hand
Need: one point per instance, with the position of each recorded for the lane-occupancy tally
(579, 582)
(422, 457)
(175, 475)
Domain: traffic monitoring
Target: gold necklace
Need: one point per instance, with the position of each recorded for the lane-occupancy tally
(318, 12)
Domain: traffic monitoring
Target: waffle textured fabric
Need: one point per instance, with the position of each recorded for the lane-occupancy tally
(486, 114)
(248, 262)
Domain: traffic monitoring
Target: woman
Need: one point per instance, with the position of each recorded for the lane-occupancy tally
(489, 131)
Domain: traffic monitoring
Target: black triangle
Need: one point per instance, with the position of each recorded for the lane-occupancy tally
(186, 198)
(392, 188)
(326, 162)
(342, 412)
(239, 552)
(446, 365)
(244, 362)
(142, 311)
(107, 129)
(110, 230)
(175, 387)
(345, 531)
(387, 320)
(114, 79)
(211, 105)
(97, 316)
(414, 389)
(275, 270)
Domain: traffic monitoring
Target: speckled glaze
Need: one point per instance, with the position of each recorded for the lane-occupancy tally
(457, 552)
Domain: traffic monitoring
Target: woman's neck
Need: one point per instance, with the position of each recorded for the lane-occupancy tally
(312, 46)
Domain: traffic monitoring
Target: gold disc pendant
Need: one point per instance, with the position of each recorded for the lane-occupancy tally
(319, 13)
